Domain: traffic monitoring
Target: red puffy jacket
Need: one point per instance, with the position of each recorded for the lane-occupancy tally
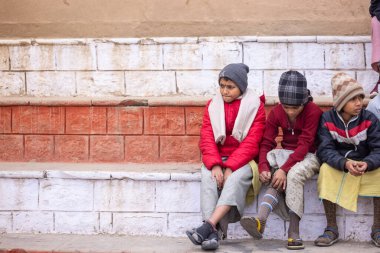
(239, 154)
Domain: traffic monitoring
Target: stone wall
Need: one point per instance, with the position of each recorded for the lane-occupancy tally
(111, 100)
(174, 66)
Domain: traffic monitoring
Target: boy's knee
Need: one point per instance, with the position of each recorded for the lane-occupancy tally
(292, 177)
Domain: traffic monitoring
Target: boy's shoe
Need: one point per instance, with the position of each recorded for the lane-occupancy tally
(253, 226)
(328, 238)
(295, 244)
(375, 236)
(212, 242)
(199, 234)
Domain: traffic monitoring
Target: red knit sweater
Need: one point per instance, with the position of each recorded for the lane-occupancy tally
(239, 154)
(300, 137)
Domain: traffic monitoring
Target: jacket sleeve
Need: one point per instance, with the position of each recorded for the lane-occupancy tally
(373, 141)
(327, 150)
(249, 147)
(207, 145)
(268, 142)
(305, 140)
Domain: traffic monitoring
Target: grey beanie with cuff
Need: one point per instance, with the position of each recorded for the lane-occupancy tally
(237, 72)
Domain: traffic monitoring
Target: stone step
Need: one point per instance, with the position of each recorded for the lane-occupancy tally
(137, 199)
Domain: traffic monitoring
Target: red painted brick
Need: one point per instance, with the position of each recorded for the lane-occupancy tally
(125, 120)
(179, 149)
(17, 251)
(164, 120)
(71, 148)
(39, 147)
(194, 116)
(11, 147)
(86, 120)
(141, 149)
(38, 119)
(106, 148)
(5, 120)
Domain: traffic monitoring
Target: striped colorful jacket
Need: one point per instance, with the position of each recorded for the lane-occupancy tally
(358, 140)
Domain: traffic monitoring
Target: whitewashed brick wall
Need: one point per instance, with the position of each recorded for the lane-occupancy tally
(136, 203)
(175, 66)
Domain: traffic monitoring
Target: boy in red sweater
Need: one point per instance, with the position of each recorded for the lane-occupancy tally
(287, 169)
(232, 128)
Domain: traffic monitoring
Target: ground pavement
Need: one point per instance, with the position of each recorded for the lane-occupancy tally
(43, 243)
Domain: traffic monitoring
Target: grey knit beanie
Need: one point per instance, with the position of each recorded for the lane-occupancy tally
(292, 88)
(237, 72)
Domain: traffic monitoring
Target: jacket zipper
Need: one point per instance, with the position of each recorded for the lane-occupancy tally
(289, 125)
(346, 130)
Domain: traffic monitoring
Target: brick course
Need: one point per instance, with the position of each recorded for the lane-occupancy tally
(71, 148)
(38, 120)
(5, 120)
(124, 120)
(39, 148)
(86, 120)
(102, 133)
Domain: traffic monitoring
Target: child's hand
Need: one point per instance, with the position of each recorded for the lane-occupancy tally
(227, 173)
(362, 166)
(217, 174)
(354, 168)
(279, 180)
(265, 177)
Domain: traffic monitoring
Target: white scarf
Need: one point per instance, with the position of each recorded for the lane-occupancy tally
(247, 112)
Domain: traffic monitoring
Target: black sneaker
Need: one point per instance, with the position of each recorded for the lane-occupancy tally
(199, 234)
(212, 242)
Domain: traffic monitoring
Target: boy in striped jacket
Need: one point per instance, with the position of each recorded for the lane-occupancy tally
(350, 152)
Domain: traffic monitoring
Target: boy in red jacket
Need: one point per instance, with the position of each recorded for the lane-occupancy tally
(287, 169)
(232, 128)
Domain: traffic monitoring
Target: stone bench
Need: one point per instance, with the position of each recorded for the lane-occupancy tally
(136, 199)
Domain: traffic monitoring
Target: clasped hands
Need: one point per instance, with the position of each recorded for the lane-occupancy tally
(356, 168)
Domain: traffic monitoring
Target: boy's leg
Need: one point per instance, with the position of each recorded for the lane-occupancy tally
(330, 211)
(296, 179)
(209, 198)
(375, 235)
(255, 226)
(209, 193)
(330, 235)
(294, 224)
(294, 240)
(267, 205)
(218, 214)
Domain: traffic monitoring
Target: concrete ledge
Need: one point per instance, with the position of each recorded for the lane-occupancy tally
(128, 101)
(189, 40)
(102, 171)
(132, 101)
